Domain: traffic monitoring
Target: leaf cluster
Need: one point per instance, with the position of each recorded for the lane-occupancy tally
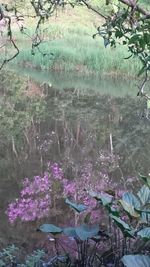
(129, 215)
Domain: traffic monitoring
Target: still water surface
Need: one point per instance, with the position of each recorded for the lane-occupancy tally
(84, 116)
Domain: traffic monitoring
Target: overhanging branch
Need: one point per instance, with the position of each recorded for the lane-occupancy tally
(93, 9)
(133, 4)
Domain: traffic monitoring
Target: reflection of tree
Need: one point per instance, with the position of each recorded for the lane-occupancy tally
(83, 125)
(133, 137)
(19, 113)
(72, 127)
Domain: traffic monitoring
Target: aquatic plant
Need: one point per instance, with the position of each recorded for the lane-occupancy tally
(121, 226)
(126, 239)
(40, 194)
(35, 197)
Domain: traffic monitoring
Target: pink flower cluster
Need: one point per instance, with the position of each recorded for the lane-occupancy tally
(36, 196)
(56, 171)
(34, 202)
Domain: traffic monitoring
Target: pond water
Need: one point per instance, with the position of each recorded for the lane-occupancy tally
(83, 120)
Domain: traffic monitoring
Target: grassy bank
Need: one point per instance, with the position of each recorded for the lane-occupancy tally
(69, 46)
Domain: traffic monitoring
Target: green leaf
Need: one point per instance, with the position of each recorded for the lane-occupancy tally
(118, 34)
(85, 231)
(124, 227)
(104, 198)
(131, 199)
(129, 209)
(136, 260)
(113, 211)
(147, 37)
(145, 179)
(134, 38)
(70, 231)
(50, 228)
(144, 195)
(77, 207)
(144, 233)
(145, 215)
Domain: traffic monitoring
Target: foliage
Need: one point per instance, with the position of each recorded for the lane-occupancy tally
(19, 113)
(40, 194)
(136, 260)
(34, 260)
(8, 256)
(128, 225)
(73, 49)
(122, 243)
(17, 109)
(126, 21)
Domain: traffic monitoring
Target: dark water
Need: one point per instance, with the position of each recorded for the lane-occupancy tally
(82, 117)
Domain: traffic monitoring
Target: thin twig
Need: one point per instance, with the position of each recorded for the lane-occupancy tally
(94, 9)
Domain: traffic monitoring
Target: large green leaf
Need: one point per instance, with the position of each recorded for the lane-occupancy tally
(50, 228)
(70, 231)
(129, 209)
(144, 233)
(77, 207)
(104, 198)
(85, 231)
(124, 227)
(144, 195)
(82, 232)
(136, 261)
(131, 199)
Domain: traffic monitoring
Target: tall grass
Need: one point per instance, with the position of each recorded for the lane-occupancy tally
(77, 51)
(69, 46)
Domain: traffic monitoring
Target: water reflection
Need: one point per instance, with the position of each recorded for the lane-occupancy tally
(61, 80)
(75, 127)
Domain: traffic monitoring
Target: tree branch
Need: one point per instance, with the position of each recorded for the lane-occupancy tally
(136, 7)
(93, 9)
(141, 88)
(9, 33)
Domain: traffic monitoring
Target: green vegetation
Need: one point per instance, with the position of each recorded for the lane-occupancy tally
(72, 48)
(69, 46)
(64, 41)
(99, 140)
(128, 231)
(120, 234)
(76, 50)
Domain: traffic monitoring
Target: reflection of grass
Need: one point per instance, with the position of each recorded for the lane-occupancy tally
(69, 46)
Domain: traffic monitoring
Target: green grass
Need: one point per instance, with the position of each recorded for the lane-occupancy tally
(77, 51)
(70, 47)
